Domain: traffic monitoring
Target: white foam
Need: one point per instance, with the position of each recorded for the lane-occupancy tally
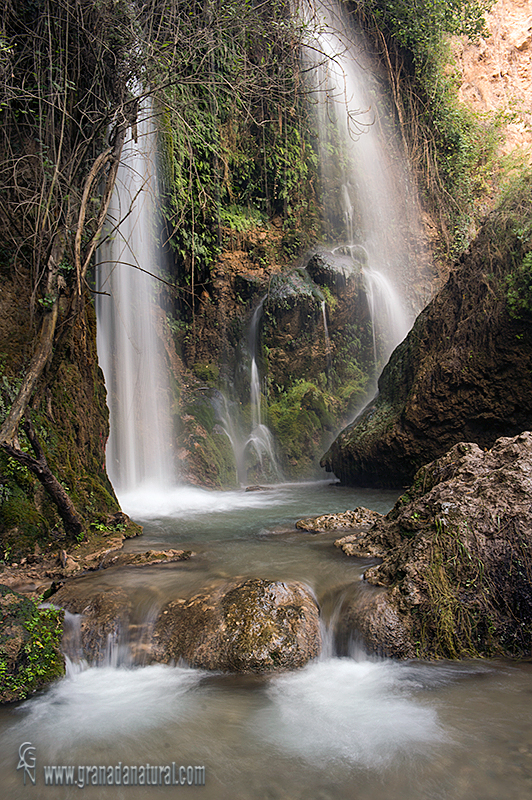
(364, 713)
(150, 501)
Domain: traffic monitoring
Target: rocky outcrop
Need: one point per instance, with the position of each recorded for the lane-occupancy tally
(456, 574)
(464, 373)
(358, 518)
(105, 618)
(30, 638)
(248, 626)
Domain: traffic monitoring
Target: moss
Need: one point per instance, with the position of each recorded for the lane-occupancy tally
(456, 622)
(208, 373)
(30, 639)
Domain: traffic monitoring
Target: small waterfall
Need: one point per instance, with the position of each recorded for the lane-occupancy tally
(260, 441)
(254, 450)
(129, 350)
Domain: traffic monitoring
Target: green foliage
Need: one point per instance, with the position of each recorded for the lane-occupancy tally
(519, 289)
(40, 661)
(453, 149)
(420, 25)
(299, 418)
(240, 219)
(234, 139)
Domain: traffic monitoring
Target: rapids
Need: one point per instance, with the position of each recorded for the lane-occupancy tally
(346, 727)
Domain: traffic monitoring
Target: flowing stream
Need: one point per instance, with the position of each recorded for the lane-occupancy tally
(346, 727)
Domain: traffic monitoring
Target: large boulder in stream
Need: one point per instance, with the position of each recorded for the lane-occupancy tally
(464, 373)
(456, 549)
(253, 626)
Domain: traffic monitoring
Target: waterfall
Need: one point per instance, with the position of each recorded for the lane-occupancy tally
(252, 443)
(260, 440)
(129, 350)
(326, 335)
(364, 187)
(388, 323)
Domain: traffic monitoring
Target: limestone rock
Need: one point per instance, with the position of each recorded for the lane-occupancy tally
(456, 575)
(359, 517)
(105, 616)
(117, 558)
(245, 626)
(464, 372)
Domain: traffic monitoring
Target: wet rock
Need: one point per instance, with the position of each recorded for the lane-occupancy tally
(248, 626)
(464, 372)
(456, 574)
(117, 558)
(30, 638)
(105, 616)
(358, 518)
(334, 270)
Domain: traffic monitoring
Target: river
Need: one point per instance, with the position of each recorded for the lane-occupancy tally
(346, 727)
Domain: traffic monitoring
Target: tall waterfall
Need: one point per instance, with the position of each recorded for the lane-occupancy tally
(129, 350)
(363, 185)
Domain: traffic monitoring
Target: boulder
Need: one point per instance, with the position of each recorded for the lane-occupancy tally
(456, 572)
(105, 617)
(252, 625)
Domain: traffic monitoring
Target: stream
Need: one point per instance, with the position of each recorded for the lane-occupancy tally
(345, 727)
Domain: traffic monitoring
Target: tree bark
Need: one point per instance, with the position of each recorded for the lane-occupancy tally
(38, 465)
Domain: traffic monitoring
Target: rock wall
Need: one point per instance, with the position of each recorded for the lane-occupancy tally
(456, 550)
(463, 373)
(70, 416)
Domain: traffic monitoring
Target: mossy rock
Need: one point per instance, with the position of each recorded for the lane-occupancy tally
(30, 639)
(252, 626)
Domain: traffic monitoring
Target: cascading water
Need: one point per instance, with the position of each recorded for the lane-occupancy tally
(260, 440)
(363, 186)
(326, 336)
(389, 326)
(129, 350)
(254, 451)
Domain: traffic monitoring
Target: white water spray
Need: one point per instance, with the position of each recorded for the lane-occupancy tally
(363, 185)
(389, 325)
(129, 350)
(326, 336)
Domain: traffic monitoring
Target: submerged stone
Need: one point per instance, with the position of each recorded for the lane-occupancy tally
(245, 626)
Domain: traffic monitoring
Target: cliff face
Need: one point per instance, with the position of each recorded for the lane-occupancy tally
(70, 417)
(464, 372)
